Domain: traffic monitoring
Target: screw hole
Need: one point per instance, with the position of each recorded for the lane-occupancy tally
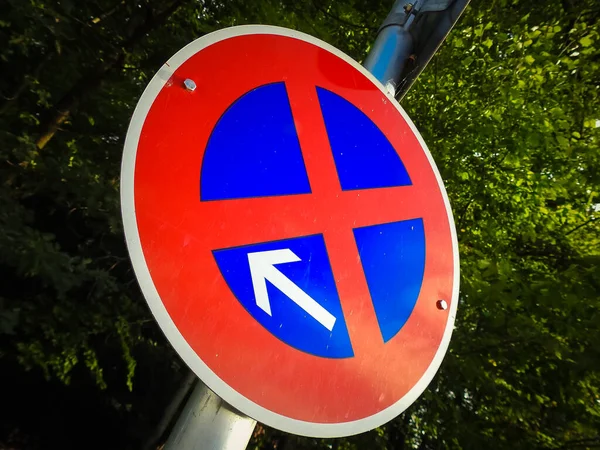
(441, 305)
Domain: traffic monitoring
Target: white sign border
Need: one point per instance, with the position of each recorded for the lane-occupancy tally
(163, 318)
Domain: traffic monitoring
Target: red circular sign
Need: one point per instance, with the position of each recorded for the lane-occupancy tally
(171, 236)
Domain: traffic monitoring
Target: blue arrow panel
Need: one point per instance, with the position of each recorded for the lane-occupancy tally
(288, 321)
(253, 150)
(393, 258)
(364, 157)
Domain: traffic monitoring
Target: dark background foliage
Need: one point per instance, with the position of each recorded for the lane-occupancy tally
(509, 108)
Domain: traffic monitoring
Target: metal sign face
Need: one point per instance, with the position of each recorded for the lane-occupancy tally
(290, 231)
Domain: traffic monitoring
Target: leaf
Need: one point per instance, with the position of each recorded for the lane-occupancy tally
(586, 41)
(562, 141)
(484, 264)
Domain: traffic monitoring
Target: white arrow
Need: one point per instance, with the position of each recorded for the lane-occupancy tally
(262, 269)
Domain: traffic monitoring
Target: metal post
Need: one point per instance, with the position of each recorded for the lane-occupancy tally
(393, 46)
(408, 38)
(208, 423)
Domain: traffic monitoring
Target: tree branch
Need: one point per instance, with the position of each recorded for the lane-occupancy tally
(593, 219)
(25, 81)
(339, 19)
(108, 13)
(92, 80)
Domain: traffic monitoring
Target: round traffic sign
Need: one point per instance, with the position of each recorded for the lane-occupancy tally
(290, 231)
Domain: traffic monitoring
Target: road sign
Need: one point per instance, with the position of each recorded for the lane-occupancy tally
(290, 231)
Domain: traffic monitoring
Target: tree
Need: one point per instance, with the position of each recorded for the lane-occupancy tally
(509, 108)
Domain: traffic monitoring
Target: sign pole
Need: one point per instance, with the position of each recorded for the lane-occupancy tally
(393, 46)
(208, 423)
(407, 40)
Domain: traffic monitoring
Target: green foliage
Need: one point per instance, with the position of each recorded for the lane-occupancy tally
(510, 110)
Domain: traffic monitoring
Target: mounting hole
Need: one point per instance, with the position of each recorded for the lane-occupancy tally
(441, 305)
